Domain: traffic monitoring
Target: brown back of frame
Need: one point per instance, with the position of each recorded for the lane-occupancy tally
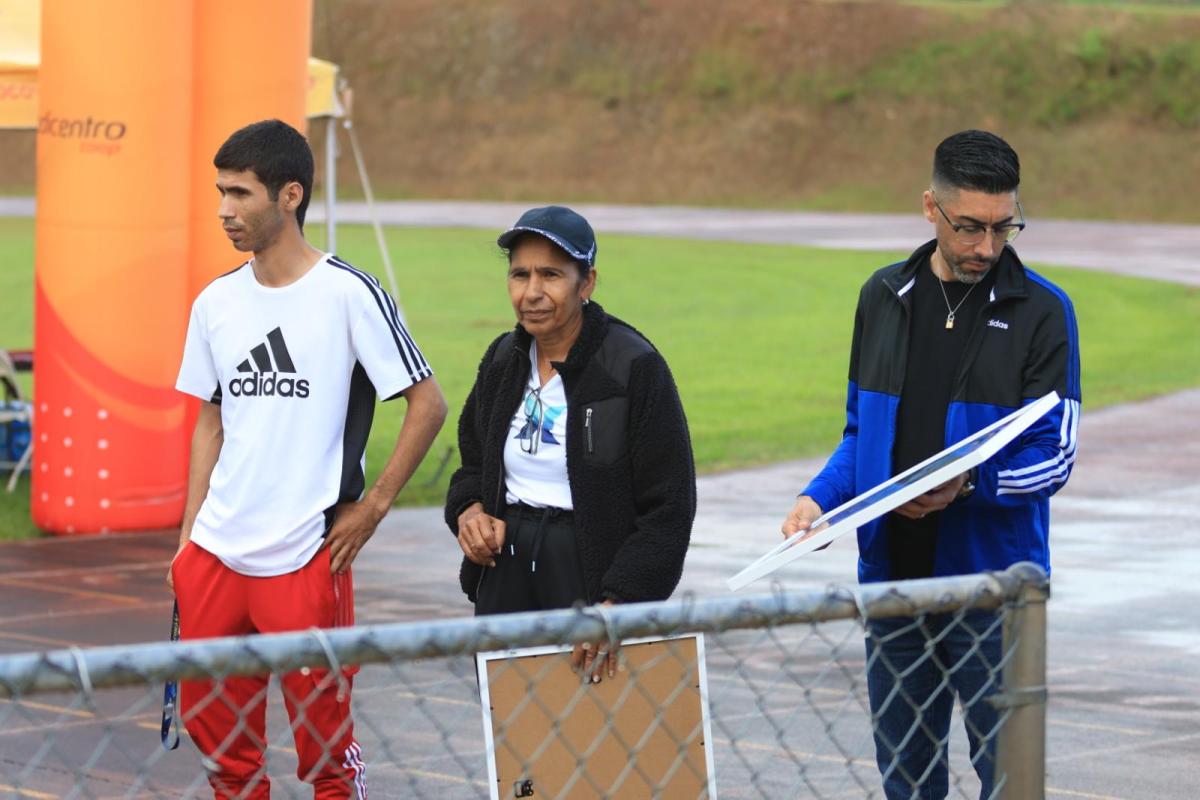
(655, 740)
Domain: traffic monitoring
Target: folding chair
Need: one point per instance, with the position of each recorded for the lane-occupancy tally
(16, 417)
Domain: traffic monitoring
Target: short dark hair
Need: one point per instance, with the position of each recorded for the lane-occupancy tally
(977, 161)
(276, 153)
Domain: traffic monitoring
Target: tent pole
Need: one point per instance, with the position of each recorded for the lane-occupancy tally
(370, 197)
(330, 183)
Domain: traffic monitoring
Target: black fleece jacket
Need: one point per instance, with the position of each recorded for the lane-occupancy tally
(629, 456)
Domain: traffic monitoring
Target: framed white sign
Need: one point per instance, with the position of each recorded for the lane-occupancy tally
(932, 472)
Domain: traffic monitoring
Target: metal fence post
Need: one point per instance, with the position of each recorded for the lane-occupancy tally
(1021, 746)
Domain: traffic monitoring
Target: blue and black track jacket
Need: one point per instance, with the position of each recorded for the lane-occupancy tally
(1025, 344)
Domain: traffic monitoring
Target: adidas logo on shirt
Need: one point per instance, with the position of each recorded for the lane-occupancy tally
(264, 380)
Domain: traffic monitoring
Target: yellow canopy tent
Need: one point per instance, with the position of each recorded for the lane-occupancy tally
(20, 25)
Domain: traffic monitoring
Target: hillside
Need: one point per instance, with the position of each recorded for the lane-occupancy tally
(826, 105)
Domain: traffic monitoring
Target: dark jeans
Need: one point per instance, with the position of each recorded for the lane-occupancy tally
(915, 668)
(538, 568)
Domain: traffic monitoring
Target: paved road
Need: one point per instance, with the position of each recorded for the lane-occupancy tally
(1124, 715)
(1165, 252)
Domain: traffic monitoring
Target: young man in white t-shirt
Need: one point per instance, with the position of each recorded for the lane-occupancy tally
(287, 354)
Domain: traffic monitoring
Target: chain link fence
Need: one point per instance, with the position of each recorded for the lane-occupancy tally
(776, 698)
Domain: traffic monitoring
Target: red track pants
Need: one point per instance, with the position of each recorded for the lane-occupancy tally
(227, 718)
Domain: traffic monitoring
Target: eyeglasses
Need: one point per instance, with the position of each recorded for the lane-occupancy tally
(535, 415)
(972, 233)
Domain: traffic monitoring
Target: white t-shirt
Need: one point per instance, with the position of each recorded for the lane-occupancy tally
(296, 370)
(535, 452)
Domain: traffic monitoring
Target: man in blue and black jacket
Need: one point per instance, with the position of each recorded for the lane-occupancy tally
(946, 343)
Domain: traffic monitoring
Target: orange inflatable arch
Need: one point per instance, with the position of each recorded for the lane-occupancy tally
(134, 100)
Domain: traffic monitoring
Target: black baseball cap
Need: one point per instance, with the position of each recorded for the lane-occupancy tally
(559, 224)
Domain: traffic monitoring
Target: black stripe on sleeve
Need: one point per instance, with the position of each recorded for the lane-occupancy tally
(422, 366)
(412, 373)
(418, 357)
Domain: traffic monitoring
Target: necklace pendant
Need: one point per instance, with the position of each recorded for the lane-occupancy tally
(950, 320)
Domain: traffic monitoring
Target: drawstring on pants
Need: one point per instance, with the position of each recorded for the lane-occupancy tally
(538, 535)
(543, 515)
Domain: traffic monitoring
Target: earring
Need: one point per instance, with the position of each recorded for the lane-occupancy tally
(587, 300)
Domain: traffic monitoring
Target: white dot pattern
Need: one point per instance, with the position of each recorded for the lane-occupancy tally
(101, 473)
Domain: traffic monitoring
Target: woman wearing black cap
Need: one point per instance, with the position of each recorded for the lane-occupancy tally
(577, 481)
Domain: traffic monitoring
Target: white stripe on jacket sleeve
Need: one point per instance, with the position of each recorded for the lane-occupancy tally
(1051, 471)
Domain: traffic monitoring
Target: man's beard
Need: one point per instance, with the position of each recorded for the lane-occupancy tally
(967, 277)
